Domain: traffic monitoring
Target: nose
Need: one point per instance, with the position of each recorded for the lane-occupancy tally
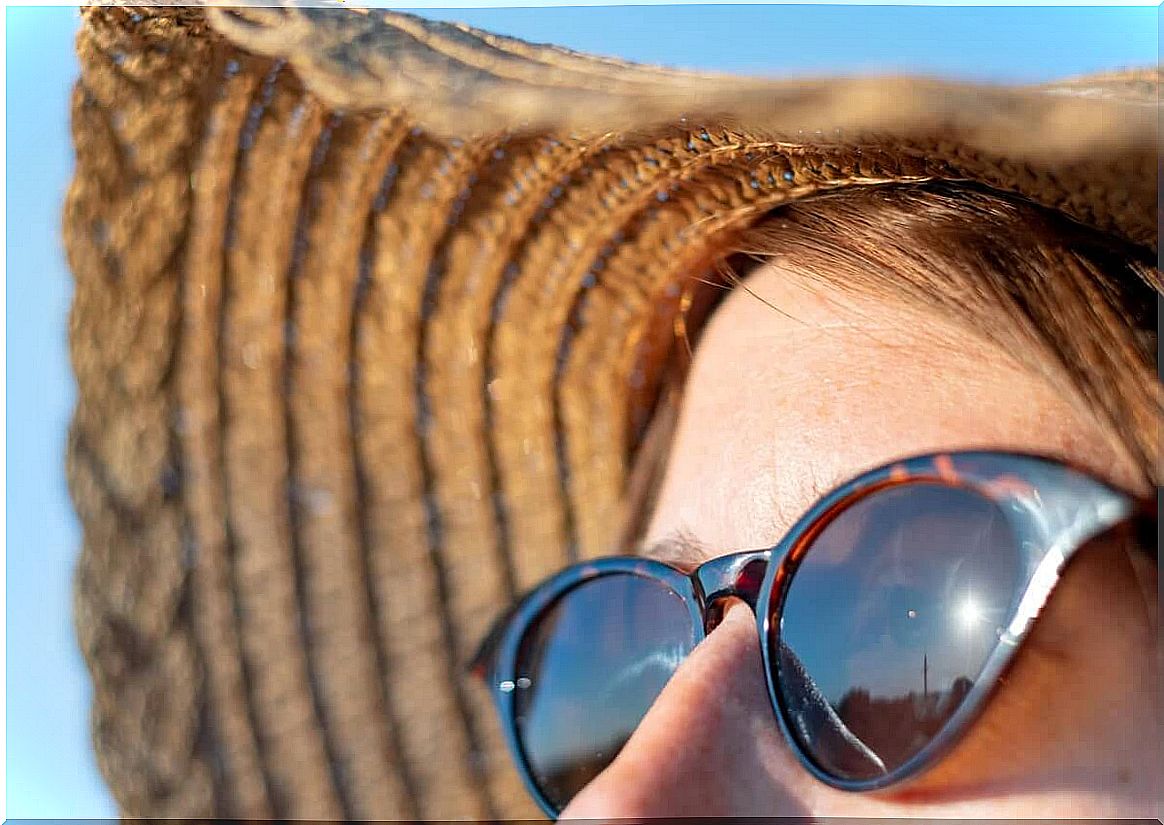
(709, 746)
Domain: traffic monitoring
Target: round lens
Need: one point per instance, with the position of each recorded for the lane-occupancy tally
(587, 672)
(888, 621)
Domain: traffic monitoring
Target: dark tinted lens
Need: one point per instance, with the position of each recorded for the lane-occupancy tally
(589, 670)
(888, 622)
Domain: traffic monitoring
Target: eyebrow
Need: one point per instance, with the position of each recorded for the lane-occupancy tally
(680, 548)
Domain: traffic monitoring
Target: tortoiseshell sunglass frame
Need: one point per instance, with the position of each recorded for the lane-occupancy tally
(1053, 507)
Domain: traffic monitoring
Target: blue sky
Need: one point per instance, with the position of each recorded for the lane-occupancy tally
(50, 772)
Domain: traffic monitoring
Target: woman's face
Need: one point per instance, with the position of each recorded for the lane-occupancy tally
(796, 388)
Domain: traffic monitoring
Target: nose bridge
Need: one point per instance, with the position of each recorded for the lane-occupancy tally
(708, 747)
(740, 575)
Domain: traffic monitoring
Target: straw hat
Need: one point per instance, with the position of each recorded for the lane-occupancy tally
(370, 323)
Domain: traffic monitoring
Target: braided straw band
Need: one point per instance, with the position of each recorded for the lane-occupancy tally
(347, 385)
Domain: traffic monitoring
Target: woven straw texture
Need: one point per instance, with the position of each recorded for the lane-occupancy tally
(370, 317)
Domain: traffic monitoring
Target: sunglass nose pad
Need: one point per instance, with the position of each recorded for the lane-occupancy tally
(712, 617)
(750, 579)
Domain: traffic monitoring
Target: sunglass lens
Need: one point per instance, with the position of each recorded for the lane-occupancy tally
(587, 672)
(888, 621)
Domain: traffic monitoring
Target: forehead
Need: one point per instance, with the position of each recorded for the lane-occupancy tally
(797, 388)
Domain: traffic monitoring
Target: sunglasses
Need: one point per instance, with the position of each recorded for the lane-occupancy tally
(886, 616)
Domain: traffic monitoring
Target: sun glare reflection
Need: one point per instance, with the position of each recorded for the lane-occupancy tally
(969, 613)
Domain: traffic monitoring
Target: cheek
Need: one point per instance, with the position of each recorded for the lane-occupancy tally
(1079, 710)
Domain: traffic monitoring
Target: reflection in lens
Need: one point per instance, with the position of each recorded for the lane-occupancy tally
(888, 622)
(589, 670)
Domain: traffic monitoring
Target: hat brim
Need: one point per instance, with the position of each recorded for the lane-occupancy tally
(459, 82)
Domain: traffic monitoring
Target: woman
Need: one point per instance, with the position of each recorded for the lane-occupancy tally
(911, 320)
(380, 323)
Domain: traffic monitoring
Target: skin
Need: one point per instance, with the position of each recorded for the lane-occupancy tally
(796, 388)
